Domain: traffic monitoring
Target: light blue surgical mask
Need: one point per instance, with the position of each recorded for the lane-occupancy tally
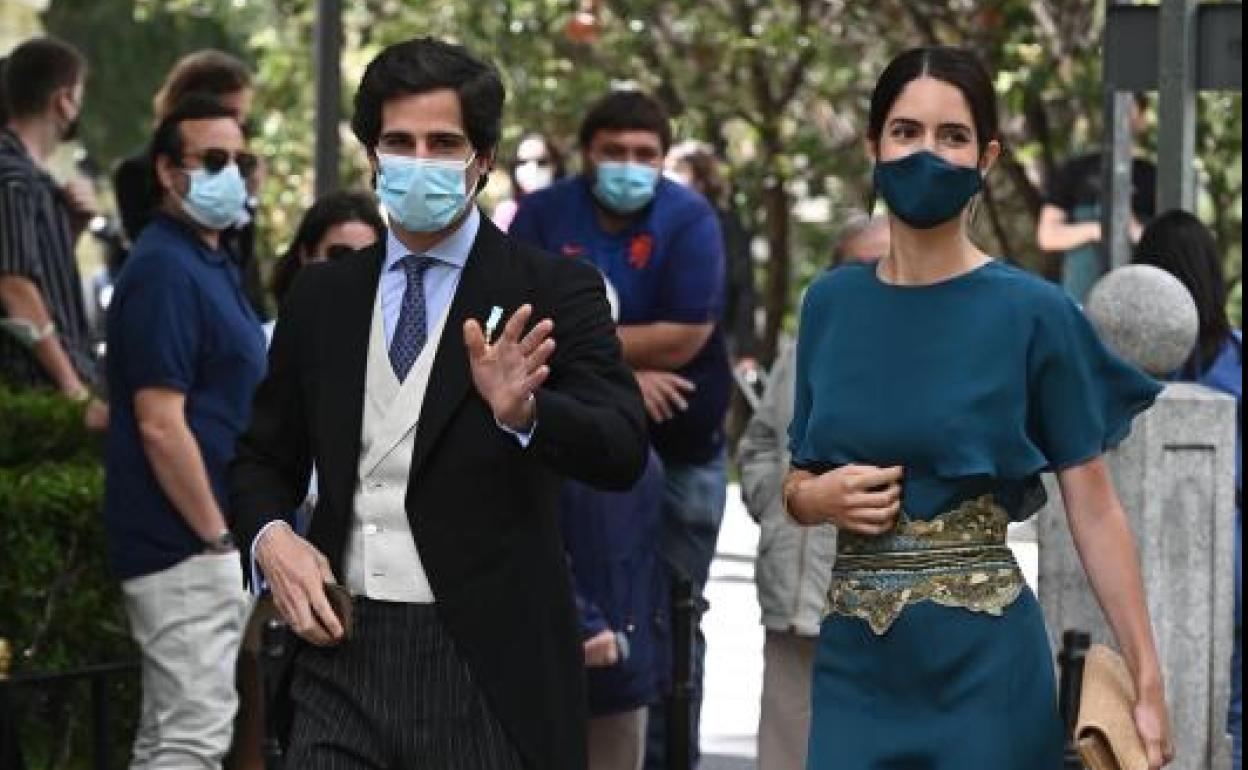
(422, 195)
(625, 188)
(215, 201)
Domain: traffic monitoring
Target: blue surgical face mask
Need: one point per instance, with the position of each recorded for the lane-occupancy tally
(925, 190)
(215, 201)
(625, 188)
(422, 195)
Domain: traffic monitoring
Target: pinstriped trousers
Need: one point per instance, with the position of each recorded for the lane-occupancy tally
(397, 696)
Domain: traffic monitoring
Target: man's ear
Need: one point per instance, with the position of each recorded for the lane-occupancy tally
(873, 150)
(167, 174)
(490, 159)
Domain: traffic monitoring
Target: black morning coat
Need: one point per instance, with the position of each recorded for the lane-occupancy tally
(483, 510)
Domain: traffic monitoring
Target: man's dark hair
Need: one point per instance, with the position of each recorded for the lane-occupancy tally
(422, 65)
(626, 111)
(35, 70)
(168, 141)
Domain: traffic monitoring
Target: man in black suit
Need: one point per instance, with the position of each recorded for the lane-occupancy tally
(439, 455)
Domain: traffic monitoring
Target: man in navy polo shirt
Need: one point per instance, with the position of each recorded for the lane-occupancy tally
(185, 353)
(660, 247)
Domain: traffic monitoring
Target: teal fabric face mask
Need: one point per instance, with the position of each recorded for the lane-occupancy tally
(625, 188)
(215, 201)
(422, 195)
(925, 190)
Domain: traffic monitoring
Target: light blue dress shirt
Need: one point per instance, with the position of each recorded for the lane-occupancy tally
(440, 281)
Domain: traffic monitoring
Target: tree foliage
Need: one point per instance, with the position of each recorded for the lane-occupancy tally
(779, 87)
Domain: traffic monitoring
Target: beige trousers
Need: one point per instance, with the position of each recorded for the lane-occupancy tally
(187, 621)
(784, 723)
(618, 741)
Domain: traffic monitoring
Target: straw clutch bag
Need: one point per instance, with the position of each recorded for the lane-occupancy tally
(1106, 733)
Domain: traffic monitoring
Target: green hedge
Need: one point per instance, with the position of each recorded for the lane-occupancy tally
(60, 608)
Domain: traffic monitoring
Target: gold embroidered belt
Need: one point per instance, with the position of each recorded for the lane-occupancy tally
(958, 559)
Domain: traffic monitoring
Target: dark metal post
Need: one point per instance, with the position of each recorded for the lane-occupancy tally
(328, 52)
(1176, 148)
(1115, 168)
(273, 648)
(1070, 661)
(99, 720)
(680, 702)
(10, 749)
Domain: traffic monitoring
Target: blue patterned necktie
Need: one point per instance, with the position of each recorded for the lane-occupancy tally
(409, 335)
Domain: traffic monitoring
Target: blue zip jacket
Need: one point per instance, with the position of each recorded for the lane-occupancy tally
(613, 541)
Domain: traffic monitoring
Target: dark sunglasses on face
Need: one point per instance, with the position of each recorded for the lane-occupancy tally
(214, 159)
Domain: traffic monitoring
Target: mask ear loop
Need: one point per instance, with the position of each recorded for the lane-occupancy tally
(974, 214)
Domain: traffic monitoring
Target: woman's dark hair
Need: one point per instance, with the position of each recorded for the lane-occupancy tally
(328, 212)
(558, 166)
(956, 66)
(211, 72)
(422, 65)
(626, 111)
(1180, 244)
(168, 142)
(35, 70)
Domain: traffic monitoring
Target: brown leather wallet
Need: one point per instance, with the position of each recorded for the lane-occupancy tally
(344, 608)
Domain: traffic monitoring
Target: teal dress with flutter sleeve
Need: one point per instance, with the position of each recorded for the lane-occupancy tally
(975, 385)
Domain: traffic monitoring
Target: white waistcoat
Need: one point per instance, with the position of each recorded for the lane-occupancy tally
(382, 559)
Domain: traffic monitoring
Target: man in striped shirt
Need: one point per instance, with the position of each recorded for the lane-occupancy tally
(44, 337)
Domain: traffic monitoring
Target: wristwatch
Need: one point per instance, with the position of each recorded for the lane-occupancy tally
(222, 543)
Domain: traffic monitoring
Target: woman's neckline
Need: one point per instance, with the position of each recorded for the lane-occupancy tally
(874, 270)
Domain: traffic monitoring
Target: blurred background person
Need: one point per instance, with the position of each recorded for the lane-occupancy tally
(1070, 221)
(863, 239)
(228, 80)
(185, 354)
(794, 563)
(45, 338)
(336, 224)
(659, 244)
(693, 165)
(538, 164)
(614, 544)
(1180, 244)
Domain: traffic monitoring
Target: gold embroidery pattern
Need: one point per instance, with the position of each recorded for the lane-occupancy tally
(958, 559)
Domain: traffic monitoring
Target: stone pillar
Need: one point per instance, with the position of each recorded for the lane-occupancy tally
(1175, 475)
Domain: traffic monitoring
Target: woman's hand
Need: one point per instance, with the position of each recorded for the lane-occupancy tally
(1152, 721)
(862, 499)
(1105, 543)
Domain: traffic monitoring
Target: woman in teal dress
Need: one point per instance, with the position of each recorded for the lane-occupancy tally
(933, 388)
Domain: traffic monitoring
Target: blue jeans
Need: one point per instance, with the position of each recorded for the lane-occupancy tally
(693, 509)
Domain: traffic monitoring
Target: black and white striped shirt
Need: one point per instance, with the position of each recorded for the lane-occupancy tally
(36, 242)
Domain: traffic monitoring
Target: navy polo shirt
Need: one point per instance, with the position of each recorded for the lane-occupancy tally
(668, 265)
(179, 320)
